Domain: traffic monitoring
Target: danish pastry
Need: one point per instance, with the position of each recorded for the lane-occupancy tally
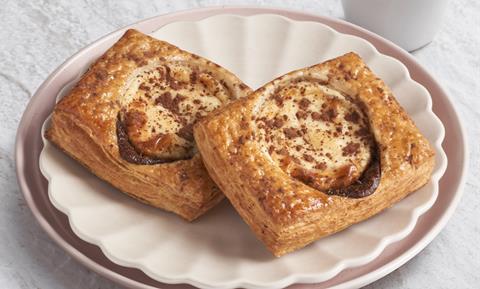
(313, 152)
(129, 120)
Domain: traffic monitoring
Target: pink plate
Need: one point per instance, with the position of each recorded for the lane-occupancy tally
(34, 186)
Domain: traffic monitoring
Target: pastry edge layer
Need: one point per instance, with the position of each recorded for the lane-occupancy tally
(73, 139)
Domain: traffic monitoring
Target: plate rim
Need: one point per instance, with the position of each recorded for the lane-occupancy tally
(231, 10)
(51, 173)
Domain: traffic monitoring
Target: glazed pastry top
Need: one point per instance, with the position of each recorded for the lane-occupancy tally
(326, 136)
(148, 94)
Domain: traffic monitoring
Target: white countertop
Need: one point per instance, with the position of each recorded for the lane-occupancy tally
(37, 36)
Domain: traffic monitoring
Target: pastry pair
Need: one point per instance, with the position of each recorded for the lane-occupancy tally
(306, 155)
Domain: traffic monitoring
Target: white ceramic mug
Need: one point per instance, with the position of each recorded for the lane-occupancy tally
(409, 23)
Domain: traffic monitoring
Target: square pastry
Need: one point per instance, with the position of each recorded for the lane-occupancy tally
(129, 120)
(313, 152)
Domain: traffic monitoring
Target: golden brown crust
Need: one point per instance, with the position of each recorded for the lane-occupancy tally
(285, 213)
(84, 126)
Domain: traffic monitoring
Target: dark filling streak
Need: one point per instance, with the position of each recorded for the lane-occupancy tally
(127, 150)
(365, 185)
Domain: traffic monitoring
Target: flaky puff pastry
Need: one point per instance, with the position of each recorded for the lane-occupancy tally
(129, 120)
(313, 152)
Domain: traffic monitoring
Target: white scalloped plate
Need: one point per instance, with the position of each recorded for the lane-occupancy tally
(218, 250)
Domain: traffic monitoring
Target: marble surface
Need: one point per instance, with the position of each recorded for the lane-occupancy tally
(37, 36)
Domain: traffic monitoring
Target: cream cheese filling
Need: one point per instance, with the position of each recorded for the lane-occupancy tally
(315, 134)
(161, 103)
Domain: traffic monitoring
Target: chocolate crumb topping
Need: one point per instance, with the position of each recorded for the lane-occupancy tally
(308, 158)
(291, 132)
(278, 99)
(186, 132)
(301, 114)
(316, 116)
(352, 117)
(166, 100)
(351, 149)
(169, 79)
(271, 149)
(193, 77)
(321, 166)
(304, 103)
(278, 122)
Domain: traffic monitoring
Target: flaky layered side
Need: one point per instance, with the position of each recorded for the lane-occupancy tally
(313, 152)
(129, 120)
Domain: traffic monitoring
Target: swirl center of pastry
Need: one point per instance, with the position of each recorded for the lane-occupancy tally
(161, 104)
(316, 134)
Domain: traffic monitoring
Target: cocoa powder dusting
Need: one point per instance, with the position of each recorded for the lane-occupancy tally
(301, 114)
(329, 114)
(278, 122)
